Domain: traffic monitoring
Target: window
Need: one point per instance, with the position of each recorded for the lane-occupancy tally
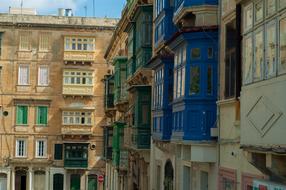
(75, 151)
(43, 76)
(228, 184)
(259, 54)
(158, 88)
(42, 115)
(23, 75)
(258, 11)
(270, 52)
(79, 44)
(282, 4)
(21, 148)
(248, 17)
(58, 152)
(195, 80)
(25, 40)
(196, 53)
(82, 78)
(76, 118)
(282, 66)
(210, 53)
(45, 41)
(270, 7)
(41, 148)
(247, 72)
(179, 73)
(209, 80)
(22, 115)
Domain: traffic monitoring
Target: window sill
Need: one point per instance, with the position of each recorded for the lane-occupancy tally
(21, 125)
(41, 158)
(41, 125)
(20, 157)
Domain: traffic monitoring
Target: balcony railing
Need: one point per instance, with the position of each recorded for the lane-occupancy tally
(77, 90)
(76, 163)
(79, 56)
(137, 138)
(76, 130)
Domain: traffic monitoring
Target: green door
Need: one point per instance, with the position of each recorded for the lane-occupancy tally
(75, 182)
(58, 182)
(92, 182)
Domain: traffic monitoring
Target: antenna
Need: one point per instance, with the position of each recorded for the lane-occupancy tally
(21, 6)
(85, 10)
(93, 8)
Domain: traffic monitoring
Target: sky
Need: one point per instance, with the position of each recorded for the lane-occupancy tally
(103, 8)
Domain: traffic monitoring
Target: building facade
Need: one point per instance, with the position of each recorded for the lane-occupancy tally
(185, 59)
(52, 101)
(235, 172)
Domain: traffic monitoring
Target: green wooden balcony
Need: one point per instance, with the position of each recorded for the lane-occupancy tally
(107, 142)
(137, 138)
(108, 91)
(117, 142)
(76, 155)
(120, 75)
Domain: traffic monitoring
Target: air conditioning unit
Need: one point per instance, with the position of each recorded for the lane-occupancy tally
(214, 132)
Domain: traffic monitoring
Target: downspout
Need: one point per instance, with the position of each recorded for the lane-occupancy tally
(218, 81)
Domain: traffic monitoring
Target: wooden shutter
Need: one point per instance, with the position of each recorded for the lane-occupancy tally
(22, 115)
(58, 155)
(42, 115)
(58, 182)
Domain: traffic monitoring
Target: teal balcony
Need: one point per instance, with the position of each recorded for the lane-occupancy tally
(136, 138)
(120, 75)
(117, 142)
(76, 155)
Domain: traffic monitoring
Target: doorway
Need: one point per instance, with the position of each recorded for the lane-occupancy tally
(92, 182)
(21, 180)
(169, 176)
(75, 182)
(58, 182)
(3, 181)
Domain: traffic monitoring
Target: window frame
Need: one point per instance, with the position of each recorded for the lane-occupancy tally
(24, 148)
(39, 77)
(37, 148)
(25, 40)
(67, 114)
(76, 42)
(267, 24)
(245, 9)
(179, 76)
(280, 69)
(262, 66)
(26, 83)
(68, 76)
(37, 116)
(16, 120)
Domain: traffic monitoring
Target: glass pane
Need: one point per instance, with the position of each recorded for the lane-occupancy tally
(247, 60)
(210, 53)
(209, 87)
(258, 8)
(195, 80)
(282, 4)
(271, 50)
(248, 16)
(196, 53)
(282, 45)
(271, 7)
(258, 59)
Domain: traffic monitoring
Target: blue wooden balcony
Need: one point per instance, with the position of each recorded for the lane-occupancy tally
(180, 4)
(195, 86)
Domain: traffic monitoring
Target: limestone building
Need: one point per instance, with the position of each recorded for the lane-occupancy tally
(51, 101)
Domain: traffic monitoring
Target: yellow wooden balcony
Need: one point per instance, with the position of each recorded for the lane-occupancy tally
(76, 130)
(79, 56)
(77, 90)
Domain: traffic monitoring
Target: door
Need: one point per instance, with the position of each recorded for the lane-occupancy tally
(20, 180)
(75, 182)
(58, 182)
(204, 180)
(39, 180)
(3, 182)
(92, 182)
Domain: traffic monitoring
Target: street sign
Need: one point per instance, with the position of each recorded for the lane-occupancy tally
(100, 178)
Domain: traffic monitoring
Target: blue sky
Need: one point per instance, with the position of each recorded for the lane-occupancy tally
(109, 8)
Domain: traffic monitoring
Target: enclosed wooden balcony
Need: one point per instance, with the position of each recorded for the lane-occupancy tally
(79, 49)
(137, 138)
(76, 155)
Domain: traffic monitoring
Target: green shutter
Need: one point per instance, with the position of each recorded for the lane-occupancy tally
(42, 115)
(58, 152)
(22, 115)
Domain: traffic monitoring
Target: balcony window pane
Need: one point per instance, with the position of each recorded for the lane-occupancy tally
(282, 4)
(209, 80)
(270, 6)
(247, 60)
(195, 80)
(258, 59)
(258, 11)
(196, 53)
(210, 53)
(248, 17)
(73, 44)
(282, 48)
(271, 50)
